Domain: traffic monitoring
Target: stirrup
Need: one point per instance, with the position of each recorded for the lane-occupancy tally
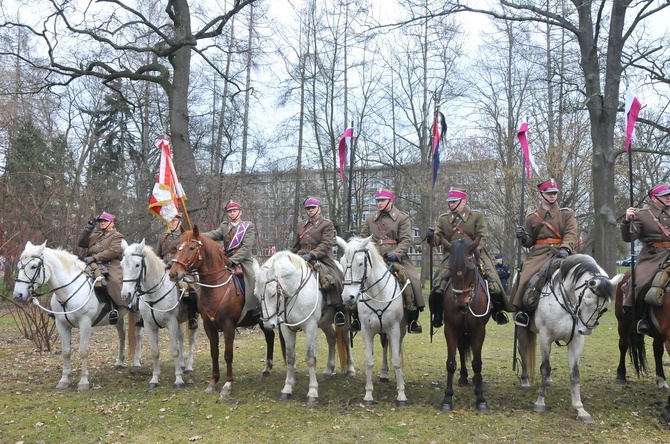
(521, 319)
(500, 317)
(643, 327)
(414, 327)
(139, 322)
(113, 317)
(355, 325)
(339, 319)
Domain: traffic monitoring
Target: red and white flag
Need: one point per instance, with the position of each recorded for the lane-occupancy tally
(164, 199)
(633, 107)
(529, 161)
(344, 148)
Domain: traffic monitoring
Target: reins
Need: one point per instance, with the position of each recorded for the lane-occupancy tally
(281, 296)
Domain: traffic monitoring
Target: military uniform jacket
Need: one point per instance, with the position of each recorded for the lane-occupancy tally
(646, 226)
(318, 237)
(106, 249)
(468, 224)
(240, 255)
(391, 231)
(167, 246)
(543, 242)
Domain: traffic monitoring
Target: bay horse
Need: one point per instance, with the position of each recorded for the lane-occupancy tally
(569, 309)
(371, 286)
(627, 333)
(466, 310)
(222, 304)
(289, 295)
(146, 283)
(73, 304)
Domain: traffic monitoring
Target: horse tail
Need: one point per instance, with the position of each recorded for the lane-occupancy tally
(465, 346)
(530, 340)
(637, 350)
(341, 341)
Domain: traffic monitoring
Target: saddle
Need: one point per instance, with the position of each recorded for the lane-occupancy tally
(404, 282)
(326, 281)
(659, 286)
(534, 288)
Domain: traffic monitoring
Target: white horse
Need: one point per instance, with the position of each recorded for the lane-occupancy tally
(570, 305)
(370, 284)
(289, 295)
(73, 303)
(145, 279)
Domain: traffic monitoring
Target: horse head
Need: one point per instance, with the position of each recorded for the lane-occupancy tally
(360, 258)
(462, 267)
(189, 254)
(134, 269)
(267, 291)
(32, 272)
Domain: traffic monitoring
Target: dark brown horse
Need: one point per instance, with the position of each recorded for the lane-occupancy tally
(221, 303)
(466, 310)
(659, 320)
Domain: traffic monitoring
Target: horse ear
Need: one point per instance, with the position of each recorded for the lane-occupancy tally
(474, 244)
(341, 242)
(196, 231)
(124, 244)
(367, 240)
(40, 248)
(29, 244)
(142, 244)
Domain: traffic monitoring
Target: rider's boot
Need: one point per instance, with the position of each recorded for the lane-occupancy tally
(139, 322)
(355, 324)
(192, 309)
(413, 325)
(113, 316)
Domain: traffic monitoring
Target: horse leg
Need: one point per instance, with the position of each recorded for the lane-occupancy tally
(289, 340)
(450, 335)
(545, 373)
(137, 357)
(228, 350)
(121, 332)
(84, 343)
(270, 347)
(658, 346)
(213, 336)
(463, 379)
(623, 328)
(477, 344)
(188, 369)
(351, 370)
(368, 340)
(395, 338)
(152, 334)
(574, 353)
(523, 341)
(384, 376)
(311, 332)
(65, 332)
(177, 351)
(329, 331)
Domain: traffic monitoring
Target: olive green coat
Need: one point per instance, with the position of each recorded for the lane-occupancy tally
(106, 249)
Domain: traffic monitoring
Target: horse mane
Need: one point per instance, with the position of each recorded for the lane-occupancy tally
(211, 249)
(155, 265)
(356, 243)
(459, 254)
(579, 265)
(69, 260)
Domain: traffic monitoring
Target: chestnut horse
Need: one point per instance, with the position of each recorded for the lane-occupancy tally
(466, 311)
(221, 303)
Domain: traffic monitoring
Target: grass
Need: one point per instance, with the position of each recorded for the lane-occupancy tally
(120, 408)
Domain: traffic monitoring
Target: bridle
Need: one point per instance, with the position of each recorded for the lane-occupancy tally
(575, 310)
(288, 300)
(478, 280)
(192, 265)
(139, 292)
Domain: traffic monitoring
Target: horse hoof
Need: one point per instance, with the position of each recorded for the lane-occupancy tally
(401, 403)
(482, 406)
(446, 408)
(666, 413)
(188, 372)
(83, 387)
(153, 385)
(135, 368)
(587, 419)
(265, 373)
(525, 386)
(383, 379)
(539, 408)
(63, 385)
(351, 373)
(285, 396)
(225, 392)
(313, 400)
(463, 382)
(369, 403)
(210, 389)
(118, 367)
(551, 383)
(180, 386)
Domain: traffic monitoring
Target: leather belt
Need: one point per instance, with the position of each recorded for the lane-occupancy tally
(387, 242)
(549, 241)
(660, 244)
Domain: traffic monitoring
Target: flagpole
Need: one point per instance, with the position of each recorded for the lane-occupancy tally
(351, 177)
(177, 184)
(629, 148)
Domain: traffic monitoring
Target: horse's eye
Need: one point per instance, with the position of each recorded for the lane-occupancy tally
(137, 265)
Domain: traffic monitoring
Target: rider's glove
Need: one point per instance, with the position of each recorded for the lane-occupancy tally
(562, 253)
(88, 260)
(90, 224)
(308, 257)
(391, 257)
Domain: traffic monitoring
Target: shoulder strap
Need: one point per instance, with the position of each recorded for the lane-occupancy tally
(664, 230)
(548, 225)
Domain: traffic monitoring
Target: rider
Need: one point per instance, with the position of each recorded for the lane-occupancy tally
(315, 238)
(651, 225)
(103, 246)
(464, 223)
(238, 239)
(391, 231)
(166, 248)
(550, 231)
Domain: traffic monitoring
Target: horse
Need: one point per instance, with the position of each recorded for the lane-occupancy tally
(569, 309)
(146, 282)
(371, 286)
(627, 333)
(221, 303)
(288, 292)
(73, 304)
(466, 308)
